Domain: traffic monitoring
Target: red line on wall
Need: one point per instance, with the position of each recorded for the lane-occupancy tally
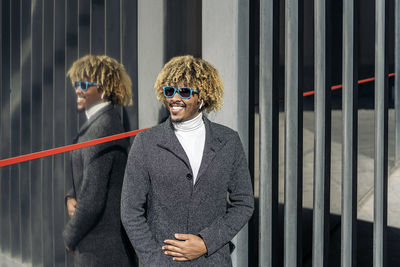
(63, 149)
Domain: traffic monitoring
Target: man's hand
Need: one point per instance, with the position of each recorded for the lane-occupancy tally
(191, 247)
(69, 250)
(71, 205)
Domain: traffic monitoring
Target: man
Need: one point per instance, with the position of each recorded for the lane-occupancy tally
(94, 233)
(187, 189)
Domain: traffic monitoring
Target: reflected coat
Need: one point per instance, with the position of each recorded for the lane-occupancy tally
(95, 231)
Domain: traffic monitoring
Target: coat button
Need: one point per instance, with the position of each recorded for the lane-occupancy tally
(189, 176)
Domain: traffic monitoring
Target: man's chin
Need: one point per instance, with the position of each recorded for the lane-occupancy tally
(175, 119)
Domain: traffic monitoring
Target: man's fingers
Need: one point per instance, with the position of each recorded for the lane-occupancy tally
(172, 248)
(71, 211)
(182, 236)
(70, 250)
(172, 253)
(175, 243)
(180, 259)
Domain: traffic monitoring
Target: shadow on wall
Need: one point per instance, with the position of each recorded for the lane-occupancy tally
(364, 241)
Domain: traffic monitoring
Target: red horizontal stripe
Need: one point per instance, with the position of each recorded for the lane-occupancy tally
(58, 150)
(339, 86)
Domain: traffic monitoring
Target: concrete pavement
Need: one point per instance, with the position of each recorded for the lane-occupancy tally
(365, 163)
(6, 261)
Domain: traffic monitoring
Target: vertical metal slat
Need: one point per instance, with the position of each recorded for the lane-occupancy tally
(349, 146)
(6, 127)
(26, 128)
(320, 245)
(15, 113)
(47, 131)
(1, 116)
(269, 130)
(381, 135)
(293, 134)
(71, 117)
(112, 34)
(84, 37)
(59, 130)
(397, 80)
(37, 137)
(97, 29)
(129, 57)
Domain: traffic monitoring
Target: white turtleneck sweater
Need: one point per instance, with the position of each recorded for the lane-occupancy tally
(93, 109)
(192, 136)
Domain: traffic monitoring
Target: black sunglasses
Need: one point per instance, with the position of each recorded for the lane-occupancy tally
(183, 92)
(83, 85)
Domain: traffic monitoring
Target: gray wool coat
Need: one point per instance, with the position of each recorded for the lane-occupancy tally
(95, 231)
(159, 198)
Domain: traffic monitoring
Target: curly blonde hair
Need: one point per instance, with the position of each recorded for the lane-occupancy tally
(195, 73)
(107, 73)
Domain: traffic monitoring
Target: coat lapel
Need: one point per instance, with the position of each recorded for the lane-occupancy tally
(170, 142)
(212, 145)
(89, 122)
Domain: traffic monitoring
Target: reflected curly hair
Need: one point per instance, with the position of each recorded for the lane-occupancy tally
(195, 73)
(107, 73)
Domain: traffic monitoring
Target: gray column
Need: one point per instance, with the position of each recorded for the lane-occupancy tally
(150, 58)
(293, 134)
(322, 137)
(349, 146)
(15, 116)
(26, 127)
(397, 80)
(71, 118)
(37, 133)
(5, 149)
(381, 134)
(60, 109)
(126, 50)
(225, 45)
(269, 130)
(48, 134)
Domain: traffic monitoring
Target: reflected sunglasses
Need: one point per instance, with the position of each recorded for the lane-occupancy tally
(83, 85)
(183, 92)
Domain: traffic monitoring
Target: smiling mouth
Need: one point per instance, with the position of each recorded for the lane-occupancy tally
(177, 106)
(80, 99)
(81, 96)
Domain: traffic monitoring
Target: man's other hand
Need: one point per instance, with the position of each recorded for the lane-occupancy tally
(71, 205)
(187, 247)
(70, 250)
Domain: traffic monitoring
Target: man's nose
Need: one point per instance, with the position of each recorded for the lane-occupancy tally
(176, 96)
(78, 90)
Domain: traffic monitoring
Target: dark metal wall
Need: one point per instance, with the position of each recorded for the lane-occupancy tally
(40, 40)
(182, 28)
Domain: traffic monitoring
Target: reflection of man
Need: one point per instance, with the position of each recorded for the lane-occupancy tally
(174, 199)
(94, 232)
